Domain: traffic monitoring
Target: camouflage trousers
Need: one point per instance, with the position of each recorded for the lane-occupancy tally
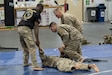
(73, 51)
(28, 44)
(62, 64)
(66, 65)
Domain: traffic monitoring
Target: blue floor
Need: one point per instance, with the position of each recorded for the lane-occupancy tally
(11, 62)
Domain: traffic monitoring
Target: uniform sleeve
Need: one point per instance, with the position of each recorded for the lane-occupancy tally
(73, 22)
(68, 21)
(63, 34)
(42, 55)
(72, 54)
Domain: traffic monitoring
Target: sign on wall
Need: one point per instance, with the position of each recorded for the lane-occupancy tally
(48, 16)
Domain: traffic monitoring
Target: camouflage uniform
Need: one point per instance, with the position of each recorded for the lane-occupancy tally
(71, 20)
(71, 37)
(62, 64)
(28, 44)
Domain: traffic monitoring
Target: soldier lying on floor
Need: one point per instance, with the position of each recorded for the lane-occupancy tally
(64, 64)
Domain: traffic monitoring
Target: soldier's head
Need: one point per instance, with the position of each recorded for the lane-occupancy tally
(58, 12)
(40, 7)
(53, 27)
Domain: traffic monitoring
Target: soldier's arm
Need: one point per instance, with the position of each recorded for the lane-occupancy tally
(75, 23)
(64, 35)
(42, 55)
(36, 31)
(68, 21)
(37, 20)
(72, 21)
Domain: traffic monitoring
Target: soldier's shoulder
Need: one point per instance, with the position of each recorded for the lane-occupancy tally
(66, 26)
(68, 14)
(63, 24)
(59, 27)
(60, 30)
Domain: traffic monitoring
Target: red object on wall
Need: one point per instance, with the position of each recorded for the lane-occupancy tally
(65, 5)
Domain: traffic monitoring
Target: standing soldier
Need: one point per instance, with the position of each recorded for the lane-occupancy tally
(69, 19)
(71, 38)
(30, 21)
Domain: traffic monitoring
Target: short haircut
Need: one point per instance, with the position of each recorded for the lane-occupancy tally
(58, 8)
(52, 23)
(40, 5)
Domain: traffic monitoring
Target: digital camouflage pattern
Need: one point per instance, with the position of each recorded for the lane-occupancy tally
(62, 64)
(28, 44)
(72, 39)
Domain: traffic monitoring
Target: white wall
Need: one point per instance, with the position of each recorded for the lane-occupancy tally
(32, 3)
(75, 8)
(47, 15)
(1, 1)
(108, 11)
(27, 3)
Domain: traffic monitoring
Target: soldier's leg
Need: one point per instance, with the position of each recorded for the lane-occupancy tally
(77, 46)
(25, 51)
(84, 40)
(28, 38)
(82, 66)
(21, 32)
(94, 67)
(68, 65)
(31, 46)
(72, 54)
(32, 50)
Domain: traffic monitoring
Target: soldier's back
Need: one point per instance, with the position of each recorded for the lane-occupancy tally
(74, 33)
(70, 19)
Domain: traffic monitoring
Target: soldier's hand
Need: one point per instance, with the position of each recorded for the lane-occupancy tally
(63, 46)
(78, 65)
(40, 48)
(37, 43)
(81, 59)
(60, 49)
